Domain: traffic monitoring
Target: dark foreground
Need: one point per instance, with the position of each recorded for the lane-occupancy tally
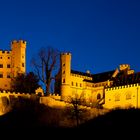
(117, 123)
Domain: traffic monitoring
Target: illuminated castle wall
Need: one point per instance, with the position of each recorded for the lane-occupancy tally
(11, 63)
(123, 96)
(74, 82)
(116, 88)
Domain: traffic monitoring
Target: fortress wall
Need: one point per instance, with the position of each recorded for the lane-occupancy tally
(123, 96)
(7, 98)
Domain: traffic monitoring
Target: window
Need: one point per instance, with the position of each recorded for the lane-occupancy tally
(0, 57)
(128, 96)
(8, 65)
(76, 84)
(1, 65)
(1, 75)
(117, 97)
(8, 75)
(63, 72)
(72, 83)
(8, 57)
(63, 64)
(63, 80)
(22, 64)
(80, 85)
(98, 96)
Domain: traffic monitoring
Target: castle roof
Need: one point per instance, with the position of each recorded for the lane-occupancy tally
(99, 77)
(81, 73)
(124, 79)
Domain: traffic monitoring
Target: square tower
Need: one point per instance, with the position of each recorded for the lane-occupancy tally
(11, 63)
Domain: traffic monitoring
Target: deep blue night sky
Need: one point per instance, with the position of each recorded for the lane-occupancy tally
(100, 34)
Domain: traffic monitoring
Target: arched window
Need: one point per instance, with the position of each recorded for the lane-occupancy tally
(72, 83)
(128, 96)
(117, 97)
(98, 96)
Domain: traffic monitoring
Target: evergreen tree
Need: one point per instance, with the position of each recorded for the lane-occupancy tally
(25, 83)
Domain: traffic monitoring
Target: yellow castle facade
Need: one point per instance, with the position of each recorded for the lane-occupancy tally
(12, 63)
(116, 88)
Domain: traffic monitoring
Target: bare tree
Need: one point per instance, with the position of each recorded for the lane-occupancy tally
(46, 64)
(76, 100)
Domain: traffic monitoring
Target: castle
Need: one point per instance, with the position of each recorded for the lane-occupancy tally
(12, 63)
(115, 88)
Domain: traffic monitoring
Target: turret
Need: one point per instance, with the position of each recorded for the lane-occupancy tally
(65, 74)
(18, 63)
(124, 67)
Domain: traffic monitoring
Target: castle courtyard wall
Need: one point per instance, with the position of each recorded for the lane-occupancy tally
(122, 96)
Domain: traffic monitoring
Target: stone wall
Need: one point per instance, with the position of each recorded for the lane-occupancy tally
(8, 98)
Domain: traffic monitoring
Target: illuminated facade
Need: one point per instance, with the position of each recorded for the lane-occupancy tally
(116, 88)
(12, 63)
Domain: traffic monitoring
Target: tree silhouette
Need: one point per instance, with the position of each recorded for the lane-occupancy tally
(46, 64)
(76, 111)
(25, 83)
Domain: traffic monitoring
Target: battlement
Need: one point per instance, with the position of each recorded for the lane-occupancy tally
(124, 66)
(13, 93)
(4, 52)
(18, 41)
(67, 53)
(122, 87)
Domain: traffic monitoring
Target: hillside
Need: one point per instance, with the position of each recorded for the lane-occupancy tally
(118, 122)
(29, 116)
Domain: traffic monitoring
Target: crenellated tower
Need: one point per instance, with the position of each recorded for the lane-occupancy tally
(18, 57)
(65, 74)
(12, 63)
